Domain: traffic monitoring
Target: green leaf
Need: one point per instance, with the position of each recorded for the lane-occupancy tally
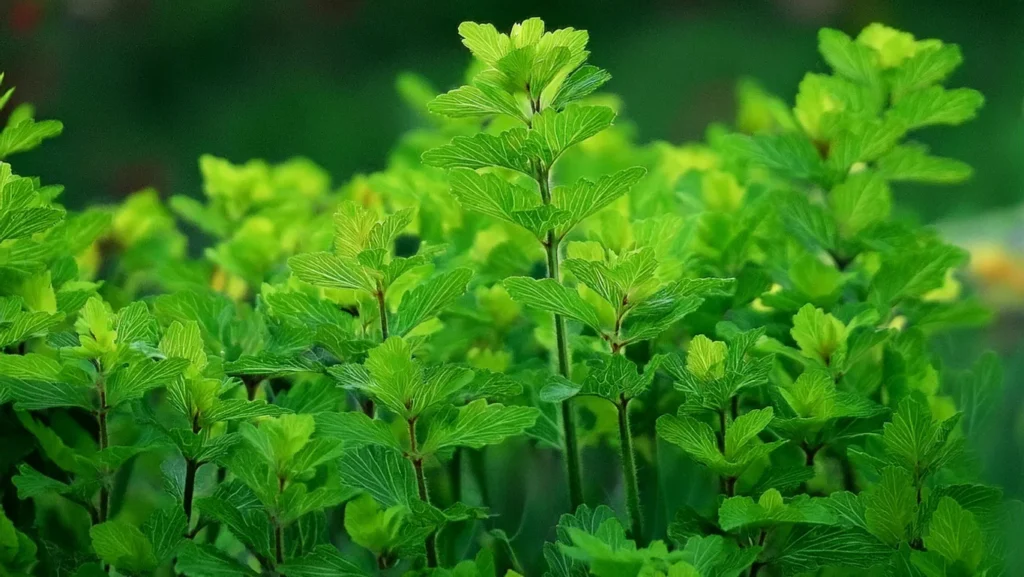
(860, 201)
(383, 473)
(134, 324)
(185, 341)
(478, 424)
(132, 382)
(399, 383)
(582, 82)
(705, 358)
(240, 409)
(954, 534)
(209, 561)
(18, 556)
(810, 547)
(31, 483)
(790, 154)
(484, 99)
(270, 364)
(891, 506)
(915, 271)
(669, 305)
(917, 443)
(23, 223)
(491, 195)
(36, 382)
(484, 41)
(324, 561)
(693, 436)
(585, 198)
(980, 391)
(614, 377)
(714, 555)
(937, 105)
(431, 298)
(848, 58)
(927, 67)
(355, 429)
(482, 150)
(550, 296)
(847, 509)
(165, 529)
(26, 135)
(741, 433)
(238, 508)
(770, 509)
(808, 222)
(556, 131)
(912, 163)
(123, 546)
(818, 334)
(327, 270)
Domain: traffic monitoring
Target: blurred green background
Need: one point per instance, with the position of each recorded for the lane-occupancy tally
(146, 86)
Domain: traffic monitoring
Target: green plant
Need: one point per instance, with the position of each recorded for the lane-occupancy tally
(377, 379)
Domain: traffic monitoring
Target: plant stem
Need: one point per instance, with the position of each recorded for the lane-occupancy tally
(278, 531)
(421, 485)
(190, 487)
(382, 313)
(636, 519)
(572, 453)
(104, 442)
(191, 467)
(721, 436)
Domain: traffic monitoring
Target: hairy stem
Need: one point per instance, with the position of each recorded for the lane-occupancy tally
(421, 485)
(104, 442)
(636, 518)
(572, 453)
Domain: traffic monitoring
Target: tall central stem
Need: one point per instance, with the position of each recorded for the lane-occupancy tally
(572, 453)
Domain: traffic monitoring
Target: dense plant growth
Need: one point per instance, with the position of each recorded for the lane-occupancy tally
(701, 360)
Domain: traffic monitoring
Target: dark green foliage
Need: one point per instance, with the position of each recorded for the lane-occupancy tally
(381, 378)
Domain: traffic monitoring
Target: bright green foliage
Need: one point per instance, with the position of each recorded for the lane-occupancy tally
(729, 344)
